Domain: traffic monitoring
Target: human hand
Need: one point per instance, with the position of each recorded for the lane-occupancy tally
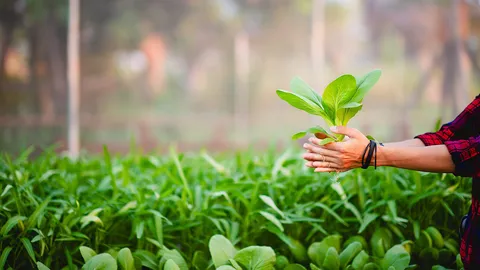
(336, 156)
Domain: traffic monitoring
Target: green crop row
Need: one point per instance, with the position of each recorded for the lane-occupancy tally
(58, 213)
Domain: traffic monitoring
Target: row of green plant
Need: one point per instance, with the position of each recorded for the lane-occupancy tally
(53, 207)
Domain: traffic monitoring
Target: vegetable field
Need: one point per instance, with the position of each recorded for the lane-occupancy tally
(232, 211)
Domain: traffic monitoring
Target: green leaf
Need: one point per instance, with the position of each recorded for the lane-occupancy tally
(139, 229)
(365, 83)
(147, 258)
(221, 250)
(42, 266)
(326, 141)
(312, 130)
(256, 258)
(295, 267)
(314, 267)
(301, 103)
(268, 201)
(4, 256)
(272, 219)
(125, 259)
(360, 260)
(171, 265)
(331, 261)
(397, 257)
(235, 264)
(351, 105)
(200, 260)
(87, 253)
(102, 261)
(11, 222)
(367, 219)
(174, 255)
(300, 87)
(317, 251)
(349, 253)
(281, 262)
(338, 93)
(344, 115)
(225, 267)
(28, 246)
(299, 135)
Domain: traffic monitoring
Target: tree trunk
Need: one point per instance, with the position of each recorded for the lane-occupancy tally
(7, 41)
(56, 64)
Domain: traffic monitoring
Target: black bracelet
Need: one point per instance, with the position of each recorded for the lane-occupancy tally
(370, 151)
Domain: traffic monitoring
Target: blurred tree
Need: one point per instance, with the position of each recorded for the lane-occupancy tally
(10, 18)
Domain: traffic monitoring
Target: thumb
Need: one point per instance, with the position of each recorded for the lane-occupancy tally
(350, 132)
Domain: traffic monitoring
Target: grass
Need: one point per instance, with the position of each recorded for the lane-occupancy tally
(52, 205)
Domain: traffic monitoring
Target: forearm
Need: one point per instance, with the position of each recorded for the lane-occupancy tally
(429, 159)
(407, 143)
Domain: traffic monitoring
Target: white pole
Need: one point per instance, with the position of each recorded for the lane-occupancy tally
(73, 79)
(242, 69)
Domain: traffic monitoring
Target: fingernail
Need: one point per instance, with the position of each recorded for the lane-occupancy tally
(305, 145)
(334, 128)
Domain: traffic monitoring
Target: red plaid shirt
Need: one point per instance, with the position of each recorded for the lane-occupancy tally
(462, 138)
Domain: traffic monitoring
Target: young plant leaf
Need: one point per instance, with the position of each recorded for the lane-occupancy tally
(326, 141)
(299, 135)
(125, 259)
(87, 253)
(42, 266)
(4, 256)
(272, 219)
(174, 255)
(221, 250)
(396, 257)
(256, 258)
(365, 83)
(171, 265)
(268, 201)
(146, 258)
(28, 246)
(300, 87)
(301, 103)
(103, 261)
(351, 105)
(338, 93)
(11, 222)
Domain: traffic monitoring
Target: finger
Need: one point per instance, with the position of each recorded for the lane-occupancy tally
(335, 146)
(325, 170)
(320, 135)
(318, 157)
(330, 170)
(320, 150)
(309, 164)
(328, 165)
(350, 132)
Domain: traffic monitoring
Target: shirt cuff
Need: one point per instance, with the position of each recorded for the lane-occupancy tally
(464, 155)
(429, 139)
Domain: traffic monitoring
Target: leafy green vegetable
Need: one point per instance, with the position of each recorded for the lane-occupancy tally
(102, 261)
(341, 100)
(256, 258)
(221, 250)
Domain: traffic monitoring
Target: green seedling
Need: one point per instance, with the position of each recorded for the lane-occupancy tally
(341, 101)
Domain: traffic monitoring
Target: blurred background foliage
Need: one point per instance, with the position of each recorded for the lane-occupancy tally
(204, 73)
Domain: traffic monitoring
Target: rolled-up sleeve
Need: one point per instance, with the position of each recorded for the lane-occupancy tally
(439, 137)
(465, 155)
